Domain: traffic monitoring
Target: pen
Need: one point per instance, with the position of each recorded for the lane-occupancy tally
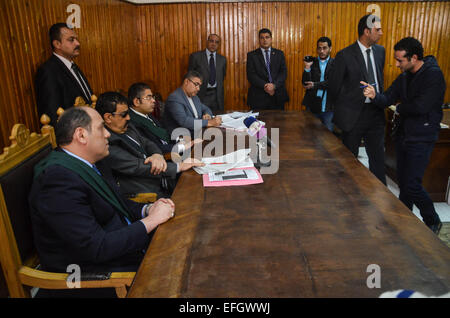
(364, 86)
(218, 163)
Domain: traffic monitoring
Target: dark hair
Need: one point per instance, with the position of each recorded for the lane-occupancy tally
(264, 31)
(54, 33)
(71, 119)
(324, 39)
(364, 23)
(192, 74)
(135, 91)
(107, 102)
(411, 46)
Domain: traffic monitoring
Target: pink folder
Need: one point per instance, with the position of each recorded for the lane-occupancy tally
(228, 183)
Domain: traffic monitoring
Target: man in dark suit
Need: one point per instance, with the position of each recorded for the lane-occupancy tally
(315, 81)
(213, 68)
(420, 89)
(354, 114)
(137, 162)
(142, 103)
(184, 108)
(59, 80)
(77, 212)
(266, 72)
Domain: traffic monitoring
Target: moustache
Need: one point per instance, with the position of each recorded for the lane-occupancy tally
(77, 48)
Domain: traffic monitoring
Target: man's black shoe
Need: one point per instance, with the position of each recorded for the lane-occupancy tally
(436, 228)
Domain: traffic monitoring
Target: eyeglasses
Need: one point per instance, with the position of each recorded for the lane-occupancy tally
(122, 114)
(195, 83)
(148, 97)
(214, 41)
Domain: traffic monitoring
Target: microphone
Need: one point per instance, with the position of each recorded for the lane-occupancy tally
(255, 127)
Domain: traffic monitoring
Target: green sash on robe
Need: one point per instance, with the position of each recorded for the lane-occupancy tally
(86, 173)
(140, 121)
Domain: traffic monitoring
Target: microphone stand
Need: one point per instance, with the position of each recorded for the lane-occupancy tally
(259, 163)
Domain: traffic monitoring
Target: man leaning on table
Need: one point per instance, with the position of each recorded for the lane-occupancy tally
(77, 212)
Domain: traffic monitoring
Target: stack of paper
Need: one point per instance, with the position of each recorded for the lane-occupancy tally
(235, 120)
(237, 159)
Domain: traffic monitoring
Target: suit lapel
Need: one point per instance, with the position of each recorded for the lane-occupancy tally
(378, 58)
(204, 59)
(69, 74)
(187, 105)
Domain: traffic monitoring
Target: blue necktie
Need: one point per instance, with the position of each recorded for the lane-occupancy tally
(96, 170)
(268, 66)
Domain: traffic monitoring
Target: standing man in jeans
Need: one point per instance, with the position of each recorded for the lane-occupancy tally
(315, 81)
(420, 92)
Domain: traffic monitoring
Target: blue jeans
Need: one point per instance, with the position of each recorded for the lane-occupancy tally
(412, 160)
(326, 119)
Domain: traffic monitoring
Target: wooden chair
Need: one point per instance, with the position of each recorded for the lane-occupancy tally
(79, 101)
(17, 254)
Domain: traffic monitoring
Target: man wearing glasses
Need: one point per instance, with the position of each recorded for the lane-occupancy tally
(213, 67)
(137, 163)
(184, 108)
(142, 103)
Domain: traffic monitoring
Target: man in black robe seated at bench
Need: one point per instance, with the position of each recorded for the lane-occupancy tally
(78, 214)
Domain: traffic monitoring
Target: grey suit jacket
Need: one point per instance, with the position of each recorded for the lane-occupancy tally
(198, 61)
(126, 159)
(349, 68)
(178, 112)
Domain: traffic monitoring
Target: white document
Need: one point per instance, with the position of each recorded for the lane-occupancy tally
(235, 120)
(237, 159)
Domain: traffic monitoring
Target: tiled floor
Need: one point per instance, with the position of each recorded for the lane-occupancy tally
(442, 208)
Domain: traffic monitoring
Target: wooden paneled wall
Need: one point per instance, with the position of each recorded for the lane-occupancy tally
(170, 32)
(108, 37)
(123, 43)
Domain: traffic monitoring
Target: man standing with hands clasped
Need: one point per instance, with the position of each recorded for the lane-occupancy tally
(420, 92)
(266, 72)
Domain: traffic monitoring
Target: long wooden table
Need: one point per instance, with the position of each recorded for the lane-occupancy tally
(311, 230)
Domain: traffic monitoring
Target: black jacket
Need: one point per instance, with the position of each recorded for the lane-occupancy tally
(420, 107)
(126, 160)
(311, 100)
(257, 76)
(73, 224)
(57, 87)
(349, 68)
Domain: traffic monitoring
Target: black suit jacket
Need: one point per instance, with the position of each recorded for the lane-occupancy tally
(56, 87)
(126, 160)
(73, 224)
(257, 76)
(311, 100)
(165, 148)
(349, 68)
